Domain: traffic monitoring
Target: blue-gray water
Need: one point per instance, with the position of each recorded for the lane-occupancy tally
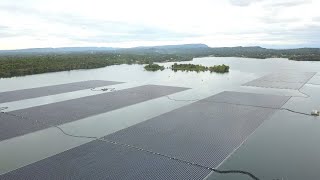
(283, 147)
(242, 70)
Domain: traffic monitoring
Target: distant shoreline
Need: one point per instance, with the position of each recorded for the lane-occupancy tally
(36, 62)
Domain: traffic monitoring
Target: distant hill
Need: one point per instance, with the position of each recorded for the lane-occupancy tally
(42, 60)
(57, 50)
(181, 46)
(184, 50)
(167, 49)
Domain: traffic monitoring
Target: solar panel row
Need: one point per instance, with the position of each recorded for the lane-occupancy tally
(10, 96)
(282, 80)
(204, 132)
(19, 122)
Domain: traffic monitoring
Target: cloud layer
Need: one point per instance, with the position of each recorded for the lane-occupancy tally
(124, 23)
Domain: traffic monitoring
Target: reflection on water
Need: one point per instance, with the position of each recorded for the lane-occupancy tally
(264, 153)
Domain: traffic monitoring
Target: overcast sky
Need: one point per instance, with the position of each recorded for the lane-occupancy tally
(128, 23)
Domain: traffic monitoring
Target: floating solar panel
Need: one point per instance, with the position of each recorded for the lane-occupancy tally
(40, 117)
(282, 80)
(297, 77)
(315, 80)
(277, 85)
(204, 132)
(10, 96)
(249, 99)
(101, 160)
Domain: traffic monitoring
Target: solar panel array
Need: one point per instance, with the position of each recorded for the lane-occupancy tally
(10, 96)
(204, 132)
(249, 99)
(100, 160)
(287, 80)
(28, 120)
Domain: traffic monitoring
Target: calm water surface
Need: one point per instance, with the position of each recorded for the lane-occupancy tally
(242, 70)
(284, 147)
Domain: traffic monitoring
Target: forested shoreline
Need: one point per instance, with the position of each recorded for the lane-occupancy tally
(36, 61)
(21, 65)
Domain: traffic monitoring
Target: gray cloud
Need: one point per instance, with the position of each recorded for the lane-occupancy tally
(243, 2)
(6, 31)
(306, 36)
(291, 3)
(117, 32)
(106, 31)
(277, 20)
(3, 27)
(274, 9)
(272, 4)
(73, 28)
(154, 36)
(317, 19)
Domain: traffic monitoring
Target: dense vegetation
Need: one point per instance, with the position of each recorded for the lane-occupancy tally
(35, 61)
(19, 65)
(188, 67)
(192, 67)
(201, 50)
(301, 54)
(219, 68)
(153, 67)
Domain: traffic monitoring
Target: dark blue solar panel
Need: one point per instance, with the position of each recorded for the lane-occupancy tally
(105, 161)
(51, 90)
(250, 99)
(204, 132)
(41, 117)
(287, 80)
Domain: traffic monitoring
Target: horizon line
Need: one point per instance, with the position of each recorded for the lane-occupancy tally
(117, 47)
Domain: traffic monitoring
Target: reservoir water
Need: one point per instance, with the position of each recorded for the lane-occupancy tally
(286, 146)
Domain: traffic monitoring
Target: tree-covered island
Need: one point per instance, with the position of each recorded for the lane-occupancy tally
(198, 68)
(153, 67)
